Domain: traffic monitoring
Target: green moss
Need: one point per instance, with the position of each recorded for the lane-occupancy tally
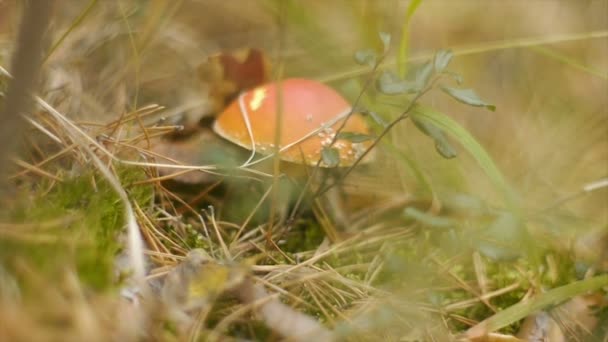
(407, 268)
(305, 236)
(193, 238)
(252, 329)
(74, 225)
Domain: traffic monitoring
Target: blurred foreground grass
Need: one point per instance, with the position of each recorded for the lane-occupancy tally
(513, 229)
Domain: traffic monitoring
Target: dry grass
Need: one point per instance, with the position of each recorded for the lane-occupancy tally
(121, 76)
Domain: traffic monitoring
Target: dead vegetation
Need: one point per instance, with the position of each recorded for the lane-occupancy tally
(111, 231)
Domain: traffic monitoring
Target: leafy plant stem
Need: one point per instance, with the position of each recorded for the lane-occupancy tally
(367, 84)
(404, 115)
(474, 148)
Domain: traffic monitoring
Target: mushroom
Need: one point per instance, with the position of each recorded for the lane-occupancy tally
(311, 114)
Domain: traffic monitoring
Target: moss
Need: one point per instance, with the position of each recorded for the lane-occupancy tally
(194, 238)
(305, 236)
(253, 329)
(74, 225)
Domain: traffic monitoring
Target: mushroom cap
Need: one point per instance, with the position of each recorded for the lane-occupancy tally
(311, 114)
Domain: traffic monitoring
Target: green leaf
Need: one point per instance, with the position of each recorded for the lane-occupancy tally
(413, 6)
(427, 219)
(442, 59)
(354, 137)
(386, 40)
(390, 84)
(442, 145)
(330, 156)
(453, 75)
(468, 142)
(366, 57)
(427, 128)
(445, 149)
(467, 96)
(423, 75)
(377, 118)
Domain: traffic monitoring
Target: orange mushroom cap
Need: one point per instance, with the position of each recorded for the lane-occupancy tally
(311, 114)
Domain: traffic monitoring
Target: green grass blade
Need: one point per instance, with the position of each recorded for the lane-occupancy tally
(475, 49)
(405, 36)
(72, 27)
(546, 300)
(411, 164)
(471, 145)
(552, 54)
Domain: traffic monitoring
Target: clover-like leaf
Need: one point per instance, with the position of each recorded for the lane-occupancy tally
(444, 148)
(423, 75)
(442, 59)
(470, 145)
(467, 96)
(354, 137)
(386, 40)
(330, 156)
(366, 57)
(375, 117)
(457, 77)
(390, 84)
(442, 144)
(426, 128)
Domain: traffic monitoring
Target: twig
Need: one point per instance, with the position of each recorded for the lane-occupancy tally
(404, 115)
(25, 68)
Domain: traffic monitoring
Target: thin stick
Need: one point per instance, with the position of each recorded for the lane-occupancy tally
(25, 67)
